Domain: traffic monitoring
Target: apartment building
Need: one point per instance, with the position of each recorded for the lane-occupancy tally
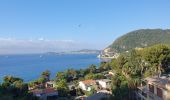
(154, 88)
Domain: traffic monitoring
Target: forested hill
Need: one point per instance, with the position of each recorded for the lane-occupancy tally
(141, 38)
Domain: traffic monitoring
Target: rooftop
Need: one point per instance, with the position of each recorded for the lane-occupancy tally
(87, 82)
(44, 91)
(163, 81)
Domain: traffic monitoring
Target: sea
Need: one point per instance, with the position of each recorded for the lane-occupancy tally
(30, 66)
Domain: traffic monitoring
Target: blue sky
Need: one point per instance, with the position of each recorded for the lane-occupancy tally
(29, 26)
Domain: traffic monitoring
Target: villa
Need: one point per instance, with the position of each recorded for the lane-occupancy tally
(156, 88)
(87, 85)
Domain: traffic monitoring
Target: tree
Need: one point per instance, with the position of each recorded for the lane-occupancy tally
(62, 87)
(91, 92)
(46, 75)
(60, 75)
(41, 80)
(158, 57)
(11, 80)
(92, 68)
(89, 76)
(14, 88)
(98, 76)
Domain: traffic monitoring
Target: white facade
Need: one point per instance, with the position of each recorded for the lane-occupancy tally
(84, 87)
(50, 84)
(87, 85)
(105, 83)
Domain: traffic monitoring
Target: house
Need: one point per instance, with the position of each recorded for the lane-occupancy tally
(87, 85)
(105, 83)
(50, 84)
(45, 94)
(155, 88)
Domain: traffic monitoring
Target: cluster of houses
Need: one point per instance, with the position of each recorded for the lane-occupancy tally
(49, 92)
(152, 88)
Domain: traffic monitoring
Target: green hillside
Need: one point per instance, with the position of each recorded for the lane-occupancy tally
(141, 38)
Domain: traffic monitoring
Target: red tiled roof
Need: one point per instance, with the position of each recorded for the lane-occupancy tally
(49, 90)
(89, 82)
(45, 91)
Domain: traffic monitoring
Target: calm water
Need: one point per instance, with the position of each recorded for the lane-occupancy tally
(30, 67)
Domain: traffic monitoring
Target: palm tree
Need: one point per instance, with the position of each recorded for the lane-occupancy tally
(46, 75)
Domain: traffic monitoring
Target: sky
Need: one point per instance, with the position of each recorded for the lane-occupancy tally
(36, 26)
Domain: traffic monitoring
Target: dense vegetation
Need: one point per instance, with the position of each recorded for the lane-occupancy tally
(14, 88)
(135, 65)
(140, 38)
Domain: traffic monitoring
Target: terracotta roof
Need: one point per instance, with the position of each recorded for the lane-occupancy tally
(44, 91)
(49, 90)
(87, 82)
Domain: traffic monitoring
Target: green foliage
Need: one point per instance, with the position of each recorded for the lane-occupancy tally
(10, 79)
(41, 80)
(46, 75)
(98, 76)
(141, 38)
(89, 76)
(134, 65)
(92, 68)
(91, 92)
(120, 88)
(62, 87)
(94, 76)
(60, 75)
(104, 66)
(14, 88)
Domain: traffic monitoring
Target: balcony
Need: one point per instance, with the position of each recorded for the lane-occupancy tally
(145, 94)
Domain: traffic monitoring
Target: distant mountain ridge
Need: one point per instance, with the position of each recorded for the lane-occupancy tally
(138, 39)
(83, 51)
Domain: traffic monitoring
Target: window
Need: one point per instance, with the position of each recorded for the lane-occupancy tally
(151, 88)
(159, 92)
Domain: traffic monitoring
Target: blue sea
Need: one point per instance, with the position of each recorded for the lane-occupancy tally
(29, 67)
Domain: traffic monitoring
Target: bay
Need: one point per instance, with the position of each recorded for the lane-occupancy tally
(30, 66)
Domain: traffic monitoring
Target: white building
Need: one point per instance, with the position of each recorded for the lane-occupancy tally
(50, 84)
(105, 83)
(155, 88)
(87, 85)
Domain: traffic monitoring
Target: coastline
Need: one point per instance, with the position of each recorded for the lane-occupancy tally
(24, 65)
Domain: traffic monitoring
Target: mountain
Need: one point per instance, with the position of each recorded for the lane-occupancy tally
(137, 39)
